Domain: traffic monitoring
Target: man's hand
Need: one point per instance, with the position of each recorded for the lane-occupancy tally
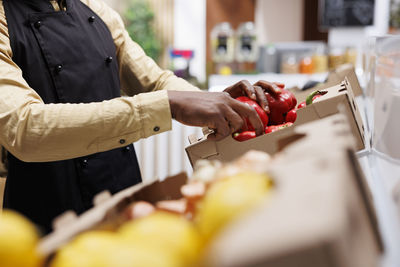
(218, 111)
(255, 92)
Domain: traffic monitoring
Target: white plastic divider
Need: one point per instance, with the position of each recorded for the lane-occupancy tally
(381, 176)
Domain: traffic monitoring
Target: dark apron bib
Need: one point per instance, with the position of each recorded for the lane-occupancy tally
(66, 57)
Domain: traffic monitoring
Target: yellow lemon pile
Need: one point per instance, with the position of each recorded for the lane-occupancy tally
(164, 239)
(159, 240)
(18, 241)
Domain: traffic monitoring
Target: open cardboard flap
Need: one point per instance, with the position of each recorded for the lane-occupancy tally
(327, 105)
(343, 72)
(346, 71)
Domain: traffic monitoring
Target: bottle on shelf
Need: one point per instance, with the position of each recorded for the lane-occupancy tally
(289, 64)
(222, 48)
(336, 57)
(222, 43)
(246, 45)
(306, 65)
(320, 59)
(351, 55)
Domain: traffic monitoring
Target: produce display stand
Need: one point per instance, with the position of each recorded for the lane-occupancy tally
(357, 203)
(317, 214)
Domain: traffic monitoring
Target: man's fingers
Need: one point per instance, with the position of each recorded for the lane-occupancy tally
(221, 127)
(219, 133)
(257, 124)
(228, 123)
(217, 136)
(246, 111)
(241, 88)
(235, 121)
(248, 89)
(272, 88)
(261, 98)
(280, 85)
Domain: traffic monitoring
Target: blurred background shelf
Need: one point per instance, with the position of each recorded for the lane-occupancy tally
(218, 83)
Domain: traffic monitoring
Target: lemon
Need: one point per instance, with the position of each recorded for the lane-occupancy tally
(107, 249)
(18, 241)
(227, 198)
(166, 232)
(88, 249)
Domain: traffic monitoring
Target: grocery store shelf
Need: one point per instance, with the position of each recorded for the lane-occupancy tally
(219, 82)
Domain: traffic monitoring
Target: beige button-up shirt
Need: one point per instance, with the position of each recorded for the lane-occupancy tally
(34, 131)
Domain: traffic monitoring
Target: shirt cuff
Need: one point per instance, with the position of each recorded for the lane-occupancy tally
(155, 113)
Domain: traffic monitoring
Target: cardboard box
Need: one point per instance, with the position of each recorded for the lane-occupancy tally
(319, 214)
(306, 223)
(343, 72)
(2, 187)
(348, 72)
(327, 105)
(106, 209)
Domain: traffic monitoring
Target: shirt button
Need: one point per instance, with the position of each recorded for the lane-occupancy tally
(84, 162)
(109, 60)
(58, 68)
(38, 24)
(91, 19)
(127, 148)
(156, 129)
(122, 141)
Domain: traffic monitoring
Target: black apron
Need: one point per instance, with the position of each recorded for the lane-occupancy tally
(66, 57)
